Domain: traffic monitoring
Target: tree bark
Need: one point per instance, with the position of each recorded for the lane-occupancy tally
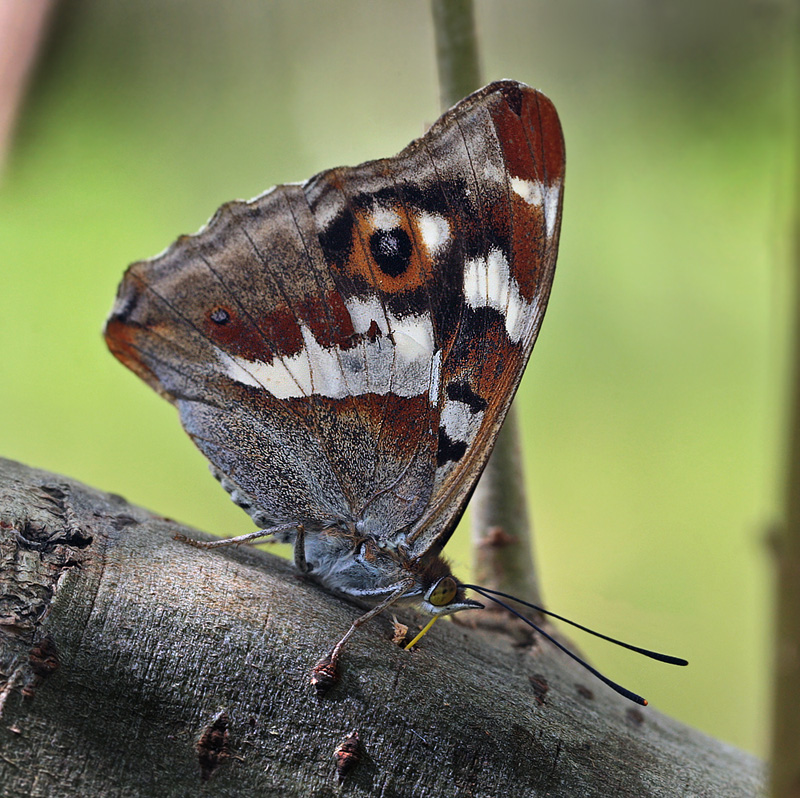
(134, 665)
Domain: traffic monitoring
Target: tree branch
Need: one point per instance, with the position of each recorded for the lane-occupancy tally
(154, 665)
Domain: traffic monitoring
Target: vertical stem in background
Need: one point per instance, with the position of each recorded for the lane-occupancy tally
(786, 701)
(456, 50)
(501, 532)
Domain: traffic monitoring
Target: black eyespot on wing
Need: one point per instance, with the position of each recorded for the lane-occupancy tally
(461, 392)
(449, 449)
(219, 316)
(391, 250)
(336, 238)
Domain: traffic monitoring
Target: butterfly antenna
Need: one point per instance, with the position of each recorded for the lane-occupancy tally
(484, 591)
(618, 688)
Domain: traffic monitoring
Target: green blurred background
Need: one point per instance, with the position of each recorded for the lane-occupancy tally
(653, 405)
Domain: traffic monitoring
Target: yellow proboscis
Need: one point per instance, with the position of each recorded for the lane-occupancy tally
(422, 633)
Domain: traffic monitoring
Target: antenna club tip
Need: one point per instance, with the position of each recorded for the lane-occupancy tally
(645, 702)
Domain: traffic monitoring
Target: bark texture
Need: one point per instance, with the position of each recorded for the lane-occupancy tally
(132, 665)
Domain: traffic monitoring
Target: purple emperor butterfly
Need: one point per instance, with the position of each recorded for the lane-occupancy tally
(344, 350)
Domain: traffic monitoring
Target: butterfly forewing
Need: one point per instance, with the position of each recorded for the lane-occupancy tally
(510, 161)
(344, 350)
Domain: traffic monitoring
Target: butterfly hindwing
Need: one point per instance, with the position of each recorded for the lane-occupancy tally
(344, 350)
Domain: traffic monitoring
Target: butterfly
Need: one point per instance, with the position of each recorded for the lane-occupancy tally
(344, 350)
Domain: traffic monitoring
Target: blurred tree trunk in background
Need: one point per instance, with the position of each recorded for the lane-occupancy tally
(786, 546)
(22, 24)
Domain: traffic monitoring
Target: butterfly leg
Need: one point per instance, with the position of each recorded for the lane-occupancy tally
(326, 672)
(239, 539)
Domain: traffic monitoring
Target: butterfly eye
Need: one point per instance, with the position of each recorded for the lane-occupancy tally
(443, 592)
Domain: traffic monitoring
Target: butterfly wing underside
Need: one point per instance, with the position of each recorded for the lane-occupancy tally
(514, 146)
(344, 350)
